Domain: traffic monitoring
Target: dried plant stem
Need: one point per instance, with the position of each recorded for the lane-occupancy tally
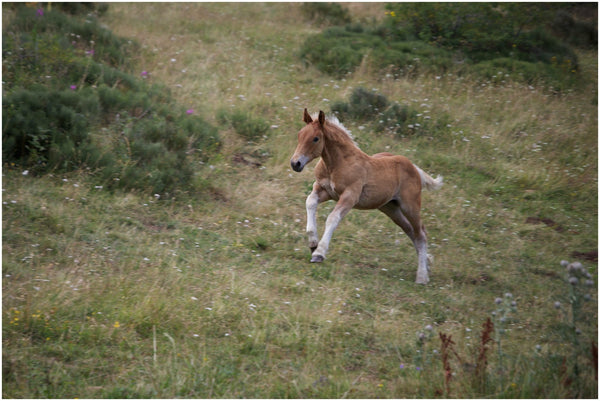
(486, 338)
(447, 346)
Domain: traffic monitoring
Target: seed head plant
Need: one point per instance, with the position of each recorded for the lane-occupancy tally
(501, 316)
(423, 336)
(578, 326)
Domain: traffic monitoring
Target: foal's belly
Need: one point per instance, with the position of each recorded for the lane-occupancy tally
(374, 198)
(371, 196)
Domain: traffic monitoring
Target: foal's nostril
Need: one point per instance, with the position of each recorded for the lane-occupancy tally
(296, 166)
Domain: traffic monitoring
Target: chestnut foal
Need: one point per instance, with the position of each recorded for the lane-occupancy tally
(354, 179)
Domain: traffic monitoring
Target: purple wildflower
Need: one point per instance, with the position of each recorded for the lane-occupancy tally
(190, 111)
(40, 12)
(73, 87)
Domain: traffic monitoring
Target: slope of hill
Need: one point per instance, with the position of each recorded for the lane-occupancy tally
(208, 292)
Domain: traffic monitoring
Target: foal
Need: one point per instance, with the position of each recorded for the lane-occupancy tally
(354, 179)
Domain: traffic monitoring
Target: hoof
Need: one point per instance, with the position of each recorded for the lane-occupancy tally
(422, 278)
(317, 259)
(422, 281)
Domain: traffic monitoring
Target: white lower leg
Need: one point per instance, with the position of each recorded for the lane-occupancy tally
(423, 270)
(311, 220)
(332, 222)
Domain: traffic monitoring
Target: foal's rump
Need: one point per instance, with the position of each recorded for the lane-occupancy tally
(427, 182)
(389, 177)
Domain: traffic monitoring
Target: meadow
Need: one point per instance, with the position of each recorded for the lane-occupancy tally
(205, 290)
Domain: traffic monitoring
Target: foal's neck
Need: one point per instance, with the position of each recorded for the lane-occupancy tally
(338, 147)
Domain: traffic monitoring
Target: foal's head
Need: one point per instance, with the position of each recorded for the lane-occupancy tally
(310, 141)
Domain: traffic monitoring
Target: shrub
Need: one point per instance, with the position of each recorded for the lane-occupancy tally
(90, 114)
(244, 123)
(371, 107)
(83, 35)
(39, 123)
(400, 119)
(325, 13)
(339, 50)
(77, 8)
(431, 37)
(483, 31)
(578, 33)
(363, 105)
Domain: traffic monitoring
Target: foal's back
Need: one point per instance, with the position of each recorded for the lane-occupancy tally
(380, 178)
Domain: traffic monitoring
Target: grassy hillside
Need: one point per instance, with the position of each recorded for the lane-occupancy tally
(208, 292)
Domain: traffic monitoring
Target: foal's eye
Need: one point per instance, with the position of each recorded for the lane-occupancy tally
(316, 139)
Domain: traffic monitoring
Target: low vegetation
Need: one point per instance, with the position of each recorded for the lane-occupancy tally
(474, 38)
(153, 232)
(403, 120)
(71, 102)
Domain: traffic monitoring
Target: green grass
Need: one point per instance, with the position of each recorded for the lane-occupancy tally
(210, 294)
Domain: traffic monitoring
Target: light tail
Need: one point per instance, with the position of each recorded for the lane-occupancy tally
(429, 183)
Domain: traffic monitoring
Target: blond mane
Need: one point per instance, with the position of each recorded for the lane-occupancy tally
(333, 121)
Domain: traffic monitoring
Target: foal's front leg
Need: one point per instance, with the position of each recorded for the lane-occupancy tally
(346, 202)
(318, 195)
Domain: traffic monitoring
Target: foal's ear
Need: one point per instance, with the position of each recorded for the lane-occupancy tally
(307, 118)
(321, 117)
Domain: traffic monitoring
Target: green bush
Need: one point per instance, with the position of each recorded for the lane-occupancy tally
(418, 38)
(484, 31)
(578, 33)
(84, 35)
(65, 109)
(38, 121)
(363, 105)
(400, 119)
(339, 50)
(77, 8)
(374, 109)
(325, 13)
(244, 123)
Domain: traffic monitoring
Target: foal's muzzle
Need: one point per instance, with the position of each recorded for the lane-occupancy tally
(299, 162)
(297, 166)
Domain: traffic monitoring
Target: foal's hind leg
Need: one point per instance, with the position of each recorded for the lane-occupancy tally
(317, 196)
(424, 266)
(416, 232)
